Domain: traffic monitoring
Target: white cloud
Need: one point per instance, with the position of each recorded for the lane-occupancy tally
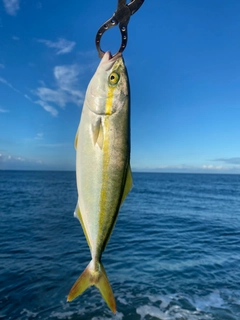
(58, 96)
(63, 46)
(27, 97)
(66, 92)
(47, 107)
(15, 38)
(67, 79)
(44, 104)
(20, 159)
(234, 160)
(2, 66)
(206, 168)
(11, 6)
(4, 81)
(9, 161)
(66, 76)
(211, 167)
(39, 136)
(3, 110)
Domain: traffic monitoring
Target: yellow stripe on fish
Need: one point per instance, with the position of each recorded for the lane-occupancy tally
(109, 101)
(106, 151)
(106, 155)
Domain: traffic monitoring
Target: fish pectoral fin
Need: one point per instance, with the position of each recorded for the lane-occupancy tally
(128, 184)
(97, 133)
(76, 140)
(77, 214)
(94, 276)
(100, 137)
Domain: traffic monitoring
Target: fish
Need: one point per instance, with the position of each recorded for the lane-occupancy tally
(103, 172)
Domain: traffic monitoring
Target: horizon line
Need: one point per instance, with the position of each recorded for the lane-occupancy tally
(134, 171)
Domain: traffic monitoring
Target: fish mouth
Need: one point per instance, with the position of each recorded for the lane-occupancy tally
(114, 57)
(108, 60)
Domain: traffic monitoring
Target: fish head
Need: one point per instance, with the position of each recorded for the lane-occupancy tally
(108, 88)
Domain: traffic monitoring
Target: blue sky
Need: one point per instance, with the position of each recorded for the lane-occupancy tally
(183, 60)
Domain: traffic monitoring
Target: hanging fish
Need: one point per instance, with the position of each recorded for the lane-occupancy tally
(102, 166)
(102, 145)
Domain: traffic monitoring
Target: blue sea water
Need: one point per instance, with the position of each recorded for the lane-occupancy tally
(174, 253)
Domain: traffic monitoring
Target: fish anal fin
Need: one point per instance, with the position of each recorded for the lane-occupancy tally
(128, 184)
(94, 275)
(78, 215)
(97, 133)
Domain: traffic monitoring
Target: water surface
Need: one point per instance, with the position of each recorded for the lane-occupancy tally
(174, 253)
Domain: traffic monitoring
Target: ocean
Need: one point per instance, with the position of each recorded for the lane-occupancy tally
(174, 253)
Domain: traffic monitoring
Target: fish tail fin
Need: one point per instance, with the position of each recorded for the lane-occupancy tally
(94, 276)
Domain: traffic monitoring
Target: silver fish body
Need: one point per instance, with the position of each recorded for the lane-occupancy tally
(102, 166)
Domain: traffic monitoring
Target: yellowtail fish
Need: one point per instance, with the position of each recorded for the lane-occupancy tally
(102, 166)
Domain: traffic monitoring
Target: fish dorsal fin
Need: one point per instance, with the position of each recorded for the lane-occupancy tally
(128, 184)
(76, 140)
(97, 133)
(78, 215)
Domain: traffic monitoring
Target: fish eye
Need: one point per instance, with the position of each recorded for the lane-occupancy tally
(113, 78)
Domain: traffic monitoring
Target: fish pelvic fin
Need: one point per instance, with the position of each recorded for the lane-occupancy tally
(94, 275)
